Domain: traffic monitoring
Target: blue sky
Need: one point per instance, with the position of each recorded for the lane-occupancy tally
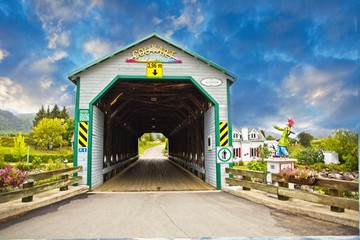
(297, 59)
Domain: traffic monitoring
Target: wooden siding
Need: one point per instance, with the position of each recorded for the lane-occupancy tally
(96, 78)
(97, 148)
(210, 155)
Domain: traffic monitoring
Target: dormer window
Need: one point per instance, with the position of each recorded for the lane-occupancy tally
(236, 135)
(253, 136)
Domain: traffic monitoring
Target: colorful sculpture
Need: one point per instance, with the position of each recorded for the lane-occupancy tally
(284, 140)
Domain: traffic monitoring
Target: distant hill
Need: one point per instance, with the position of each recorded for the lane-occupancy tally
(10, 123)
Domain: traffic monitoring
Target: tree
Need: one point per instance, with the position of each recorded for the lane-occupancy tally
(49, 133)
(305, 139)
(64, 114)
(69, 130)
(48, 112)
(19, 150)
(55, 112)
(264, 152)
(345, 143)
(39, 115)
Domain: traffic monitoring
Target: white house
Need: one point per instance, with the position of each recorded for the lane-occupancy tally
(331, 157)
(246, 143)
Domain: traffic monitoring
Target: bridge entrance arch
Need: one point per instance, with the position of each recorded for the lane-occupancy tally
(152, 85)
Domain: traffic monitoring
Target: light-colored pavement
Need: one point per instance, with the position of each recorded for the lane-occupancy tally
(188, 215)
(154, 152)
(163, 215)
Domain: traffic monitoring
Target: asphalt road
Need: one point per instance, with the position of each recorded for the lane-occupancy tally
(163, 214)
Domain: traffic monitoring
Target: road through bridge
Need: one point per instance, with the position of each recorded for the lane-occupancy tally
(107, 213)
(153, 172)
(163, 215)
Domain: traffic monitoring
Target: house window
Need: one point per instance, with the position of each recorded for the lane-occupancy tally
(253, 136)
(253, 152)
(236, 135)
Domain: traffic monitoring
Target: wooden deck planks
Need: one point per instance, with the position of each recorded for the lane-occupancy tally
(154, 175)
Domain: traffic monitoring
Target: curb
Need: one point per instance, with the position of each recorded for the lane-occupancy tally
(295, 206)
(16, 208)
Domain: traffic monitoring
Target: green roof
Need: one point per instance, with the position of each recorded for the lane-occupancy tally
(85, 67)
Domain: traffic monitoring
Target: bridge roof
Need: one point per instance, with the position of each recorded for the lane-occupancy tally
(72, 74)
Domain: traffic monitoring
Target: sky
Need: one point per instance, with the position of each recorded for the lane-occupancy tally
(293, 59)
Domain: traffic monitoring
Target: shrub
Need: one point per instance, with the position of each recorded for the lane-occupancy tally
(310, 156)
(3, 164)
(54, 165)
(44, 158)
(257, 165)
(7, 141)
(36, 162)
(24, 166)
(11, 178)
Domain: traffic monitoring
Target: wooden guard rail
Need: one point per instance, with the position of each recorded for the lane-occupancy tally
(334, 200)
(30, 187)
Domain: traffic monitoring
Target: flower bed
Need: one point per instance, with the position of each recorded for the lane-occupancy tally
(11, 178)
(299, 176)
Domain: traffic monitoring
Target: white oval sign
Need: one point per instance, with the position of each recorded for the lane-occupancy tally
(211, 82)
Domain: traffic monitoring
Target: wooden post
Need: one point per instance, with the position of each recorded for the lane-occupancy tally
(336, 193)
(281, 197)
(28, 185)
(64, 188)
(246, 179)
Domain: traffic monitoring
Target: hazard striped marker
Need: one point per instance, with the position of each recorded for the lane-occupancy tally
(224, 134)
(83, 134)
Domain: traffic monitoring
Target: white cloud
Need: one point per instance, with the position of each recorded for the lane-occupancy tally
(63, 87)
(53, 14)
(3, 54)
(191, 18)
(59, 39)
(13, 97)
(156, 20)
(47, 64)
(314, 97)
(98, 48)
(46, 84)
(315, 87)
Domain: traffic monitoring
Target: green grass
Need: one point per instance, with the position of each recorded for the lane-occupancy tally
(33, 151)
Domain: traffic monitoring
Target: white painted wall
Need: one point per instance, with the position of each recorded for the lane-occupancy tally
(331, 157)
(210, 155)
(97, 148)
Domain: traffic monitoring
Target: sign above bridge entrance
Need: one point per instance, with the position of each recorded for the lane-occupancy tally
(154, 69)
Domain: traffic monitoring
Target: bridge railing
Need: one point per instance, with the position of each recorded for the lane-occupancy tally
(32, 186)
(278, 186)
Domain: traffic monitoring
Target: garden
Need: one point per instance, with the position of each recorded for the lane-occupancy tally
(310, 161)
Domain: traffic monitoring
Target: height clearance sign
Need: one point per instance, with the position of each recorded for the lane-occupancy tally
(154, 69)
(224, 154)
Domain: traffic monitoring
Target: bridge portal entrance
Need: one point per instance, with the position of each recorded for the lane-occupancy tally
(153, 85)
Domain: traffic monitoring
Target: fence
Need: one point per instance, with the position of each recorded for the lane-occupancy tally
(32, 187)
(279, 186)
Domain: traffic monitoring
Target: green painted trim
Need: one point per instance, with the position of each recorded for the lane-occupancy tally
(217, 140)
(171, 78)
(76, 130)
(216, 66)
(89, 163)
(229, 111)
(229, 119)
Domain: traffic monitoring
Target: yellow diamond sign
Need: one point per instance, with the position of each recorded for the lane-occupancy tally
(154, 69)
